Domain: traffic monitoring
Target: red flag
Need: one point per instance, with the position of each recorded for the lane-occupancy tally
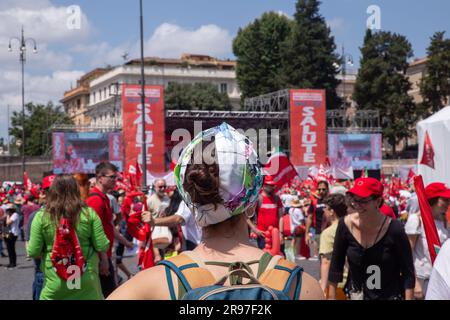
(427, 218)
(393, 188)
(27, 182)
(280, 169)
(428, 152)
(138, 174)
(411, 175)
(131, 175)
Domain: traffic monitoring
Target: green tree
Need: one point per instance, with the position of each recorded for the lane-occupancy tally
(435, 86)
(381, 83)
(198, 96)
(309, 58)
(38, 120)
(257, 48)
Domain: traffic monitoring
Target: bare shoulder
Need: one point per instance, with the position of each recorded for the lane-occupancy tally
(311, 289)
(149, 284)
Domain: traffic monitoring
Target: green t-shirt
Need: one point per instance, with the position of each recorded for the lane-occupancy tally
(92, 240)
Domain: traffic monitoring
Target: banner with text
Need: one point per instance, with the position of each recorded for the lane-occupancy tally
(154, 126)
(308, 127)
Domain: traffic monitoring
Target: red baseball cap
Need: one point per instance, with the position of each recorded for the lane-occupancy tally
(365, 187)
(47, 182)
(269, 181)
(437, 189)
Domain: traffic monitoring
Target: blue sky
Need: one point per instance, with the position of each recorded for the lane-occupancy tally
(111, 27)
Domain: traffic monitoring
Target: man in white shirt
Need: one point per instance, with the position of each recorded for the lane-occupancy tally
(192, 233)
(439, 285)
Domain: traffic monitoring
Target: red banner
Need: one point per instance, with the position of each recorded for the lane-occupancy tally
(308, 127)
(154, 126)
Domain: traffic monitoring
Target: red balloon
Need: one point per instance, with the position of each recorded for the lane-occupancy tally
(270, 228)
(275, 242)
(268, 234)
(269, 241)
(253, 235)
(268, 246)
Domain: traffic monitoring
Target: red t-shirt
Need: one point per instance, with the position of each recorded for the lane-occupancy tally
(268, 213)
(100, 203)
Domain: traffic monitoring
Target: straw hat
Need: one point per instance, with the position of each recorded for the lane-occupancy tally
(296, 203)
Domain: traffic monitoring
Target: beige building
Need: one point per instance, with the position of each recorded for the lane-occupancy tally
(415, 73)
(76, 100)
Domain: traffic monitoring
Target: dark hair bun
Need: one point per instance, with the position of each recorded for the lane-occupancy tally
(202, 183)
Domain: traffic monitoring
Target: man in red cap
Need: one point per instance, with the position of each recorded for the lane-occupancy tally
(438, 196)
(269, 212)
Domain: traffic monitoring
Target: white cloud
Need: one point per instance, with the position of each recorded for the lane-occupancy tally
(103, 53)
(24, 4)
(45, 25)
(170, 40)
(167, 41)
(337, 25)
(283, 14)
(38, 89)
(45, 58)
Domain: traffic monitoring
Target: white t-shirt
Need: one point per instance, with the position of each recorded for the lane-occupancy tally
(439, 285)
(297, 218)
(421, 254)
(14, 227)
(286, 199)
(190, 228)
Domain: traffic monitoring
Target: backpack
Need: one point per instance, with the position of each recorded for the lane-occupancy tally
(274, 280)
(67, 257)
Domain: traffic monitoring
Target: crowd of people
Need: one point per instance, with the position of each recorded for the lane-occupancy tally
(369, 243)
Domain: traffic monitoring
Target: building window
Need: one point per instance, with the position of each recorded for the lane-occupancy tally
(223, 88)
(78, 104)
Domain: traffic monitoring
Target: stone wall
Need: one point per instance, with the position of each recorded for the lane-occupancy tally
(11, 168)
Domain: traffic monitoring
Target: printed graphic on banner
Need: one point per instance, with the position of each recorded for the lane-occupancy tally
(359, 151)
(154, 126)
(82, 151)
(308, 127)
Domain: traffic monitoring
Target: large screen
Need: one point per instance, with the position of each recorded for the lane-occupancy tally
(360, 151)
(82, 151)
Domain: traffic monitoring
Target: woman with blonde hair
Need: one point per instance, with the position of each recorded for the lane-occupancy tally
(220, 184)
(65, 213)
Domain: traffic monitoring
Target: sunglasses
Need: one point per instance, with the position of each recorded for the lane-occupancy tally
(361, 201)
(111, 177)
(162, 187)
(322, 189)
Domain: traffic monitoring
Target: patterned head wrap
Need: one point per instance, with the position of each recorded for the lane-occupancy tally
(239, 174)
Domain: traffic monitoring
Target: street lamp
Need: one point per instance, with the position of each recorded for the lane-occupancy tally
(22, 50)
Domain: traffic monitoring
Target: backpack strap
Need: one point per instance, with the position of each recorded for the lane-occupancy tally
(282, 277)
(190, 274)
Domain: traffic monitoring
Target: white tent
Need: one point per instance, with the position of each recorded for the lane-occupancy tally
(438, 128)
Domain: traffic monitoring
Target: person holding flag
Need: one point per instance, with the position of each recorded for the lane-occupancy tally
(438, 197)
